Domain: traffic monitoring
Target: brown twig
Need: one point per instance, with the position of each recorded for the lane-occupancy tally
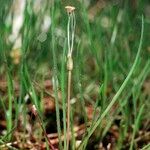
(34, 111)
(68, 108)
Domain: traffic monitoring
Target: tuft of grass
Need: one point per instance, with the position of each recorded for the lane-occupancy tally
(115, 98)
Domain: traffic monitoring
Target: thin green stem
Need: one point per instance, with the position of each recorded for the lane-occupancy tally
(55, 77)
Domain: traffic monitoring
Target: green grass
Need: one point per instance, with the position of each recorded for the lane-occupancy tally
(111, 67)
(106, 111)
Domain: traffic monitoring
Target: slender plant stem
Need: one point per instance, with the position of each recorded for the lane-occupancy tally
(68, 107)
(69, 68)
(70, 38)
(55, 77)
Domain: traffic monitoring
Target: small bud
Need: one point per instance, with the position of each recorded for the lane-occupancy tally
(69, 63)
(70, 9)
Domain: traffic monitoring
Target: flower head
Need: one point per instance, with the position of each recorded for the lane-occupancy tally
(70, 9)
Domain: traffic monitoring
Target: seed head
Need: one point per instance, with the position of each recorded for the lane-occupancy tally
(70, 9)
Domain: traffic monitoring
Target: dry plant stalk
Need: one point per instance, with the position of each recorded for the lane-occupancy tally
(35, 112)
(70, 38)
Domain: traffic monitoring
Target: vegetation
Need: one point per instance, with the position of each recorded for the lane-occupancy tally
(75, 79)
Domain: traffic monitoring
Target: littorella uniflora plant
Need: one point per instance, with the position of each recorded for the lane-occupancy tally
(70, 39)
